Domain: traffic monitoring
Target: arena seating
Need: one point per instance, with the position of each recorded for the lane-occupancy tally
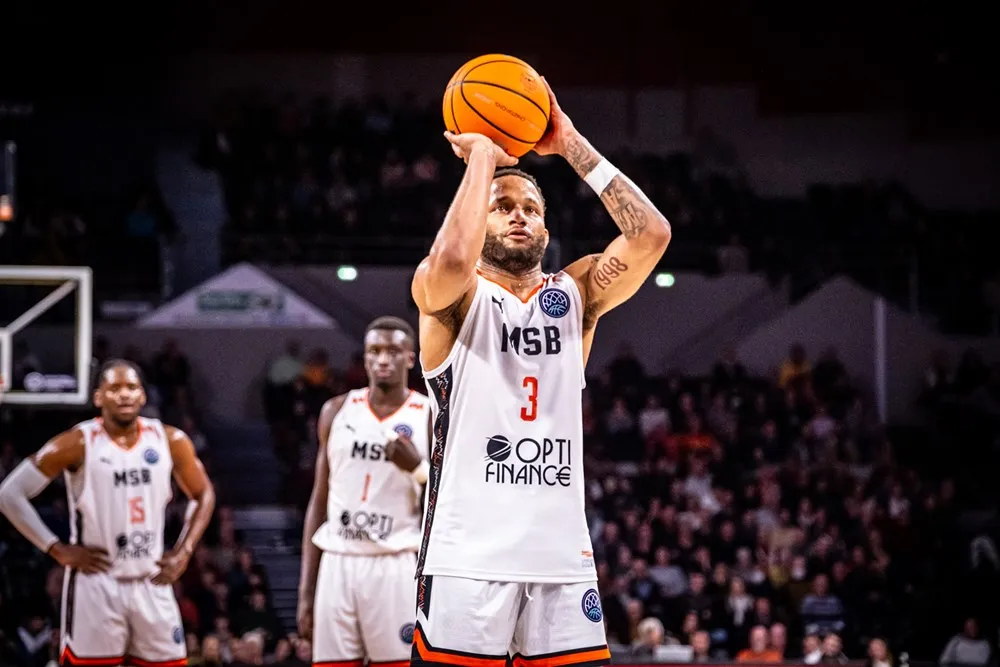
(308, 182)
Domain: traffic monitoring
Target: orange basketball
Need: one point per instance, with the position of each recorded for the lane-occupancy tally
(501, 97)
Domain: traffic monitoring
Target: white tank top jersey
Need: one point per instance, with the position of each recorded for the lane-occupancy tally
(118, 497)
(373, 507)
(505, 496)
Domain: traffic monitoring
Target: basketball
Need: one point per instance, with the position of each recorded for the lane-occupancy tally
(501, 97)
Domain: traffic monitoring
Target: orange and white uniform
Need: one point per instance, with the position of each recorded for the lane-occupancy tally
(506, 564)
(117, 502)
(365, 591)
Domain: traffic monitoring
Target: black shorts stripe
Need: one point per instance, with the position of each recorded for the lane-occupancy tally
(442, 388)
(424, 595)
(70, 603)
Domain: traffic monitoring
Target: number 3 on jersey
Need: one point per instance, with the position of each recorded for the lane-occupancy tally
(530, 412)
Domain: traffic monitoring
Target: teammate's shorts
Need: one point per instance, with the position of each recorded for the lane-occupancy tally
(364, 609)
(108, 622)
(475, 623)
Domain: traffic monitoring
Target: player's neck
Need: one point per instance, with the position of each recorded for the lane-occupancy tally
(124, 434)
(516, 283)
(390, 398)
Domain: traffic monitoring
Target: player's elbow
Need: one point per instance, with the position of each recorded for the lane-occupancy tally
(658, 234)
(653, 240)
(207, 496)
(6, 501)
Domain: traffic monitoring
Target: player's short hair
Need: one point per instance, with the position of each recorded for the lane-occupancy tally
(390, 323)
(520, 173)
(111, 364)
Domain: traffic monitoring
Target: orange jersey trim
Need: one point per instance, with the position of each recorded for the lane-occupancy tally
(392, 414)
(527, 298)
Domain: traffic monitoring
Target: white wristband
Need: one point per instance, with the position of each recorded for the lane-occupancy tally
(420, 473)
(601, 176)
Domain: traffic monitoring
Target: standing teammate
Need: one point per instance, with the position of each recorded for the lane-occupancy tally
(118, 605)
(362, 526)
(506, 564)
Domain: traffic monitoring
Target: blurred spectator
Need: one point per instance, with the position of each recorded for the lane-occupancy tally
(833, 653)
(822, 612)
(758, 652)
(967, 647)
(878, 654)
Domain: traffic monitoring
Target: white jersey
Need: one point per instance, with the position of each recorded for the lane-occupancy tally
(118, 497)
(505, 498)
(372, 507)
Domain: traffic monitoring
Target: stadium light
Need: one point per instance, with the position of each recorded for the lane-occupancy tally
(664, 280)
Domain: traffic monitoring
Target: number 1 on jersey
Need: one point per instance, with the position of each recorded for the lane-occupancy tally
(529, 413)
(364, 491)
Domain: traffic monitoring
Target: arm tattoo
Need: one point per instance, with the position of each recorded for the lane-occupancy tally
(581, 156)
(627, 207)
(605, 272)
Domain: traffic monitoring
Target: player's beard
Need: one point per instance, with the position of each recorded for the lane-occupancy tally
(513, 259)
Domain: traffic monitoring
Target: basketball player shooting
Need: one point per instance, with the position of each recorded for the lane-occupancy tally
(118, 605)
(362, 525)
(506, 565)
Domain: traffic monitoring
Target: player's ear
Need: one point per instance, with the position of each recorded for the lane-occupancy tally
(142, 398)
(97, 399)
(411, 359)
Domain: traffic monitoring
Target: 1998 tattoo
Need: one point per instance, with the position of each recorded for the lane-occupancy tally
(606, 272)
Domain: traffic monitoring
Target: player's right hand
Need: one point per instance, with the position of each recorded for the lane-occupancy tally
(89, 560)
(463, 144)
(304, 619)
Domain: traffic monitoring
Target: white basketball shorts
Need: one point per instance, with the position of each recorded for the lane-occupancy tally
(475, 623)
(364, 609)
(108, 622)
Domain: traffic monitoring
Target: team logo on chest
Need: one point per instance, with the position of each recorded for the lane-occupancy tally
(554, 302)
(404, 430)
(150, 456)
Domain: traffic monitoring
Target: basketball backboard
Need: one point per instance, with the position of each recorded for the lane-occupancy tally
(39, 289)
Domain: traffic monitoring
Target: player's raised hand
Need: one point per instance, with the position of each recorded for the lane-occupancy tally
(560, 129)
(402, 452)
(89, 560)
(172, 566)
(463, 144)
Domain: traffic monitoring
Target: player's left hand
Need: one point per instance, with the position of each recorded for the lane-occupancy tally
(560, 129)
(172, 566)
(401, 451)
